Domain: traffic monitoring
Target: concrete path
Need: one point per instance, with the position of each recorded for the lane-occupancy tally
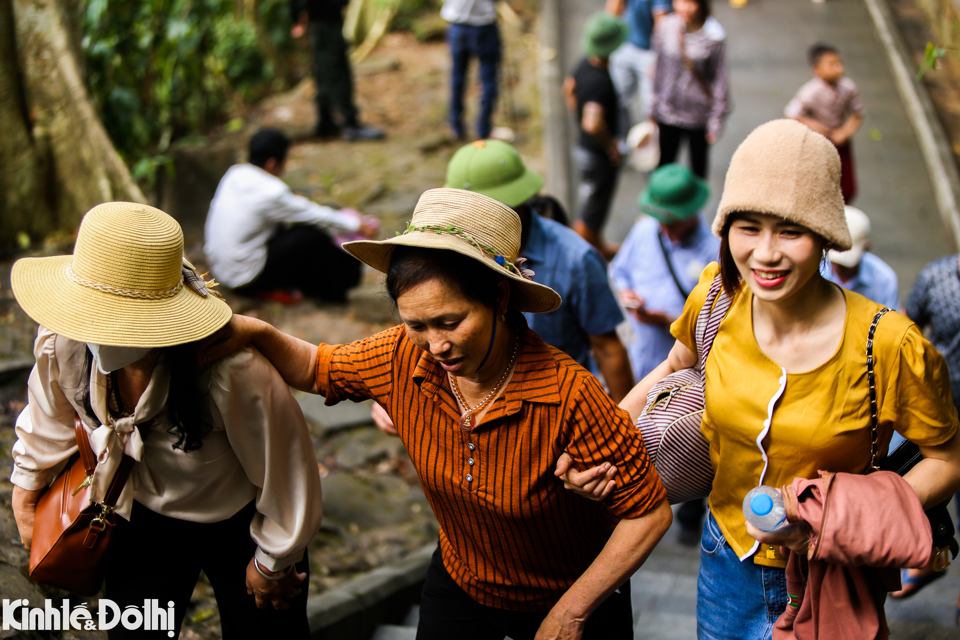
(767, 43)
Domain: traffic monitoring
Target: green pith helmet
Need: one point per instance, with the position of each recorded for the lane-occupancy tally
(674, 194)
(494, 169)
(603, 34)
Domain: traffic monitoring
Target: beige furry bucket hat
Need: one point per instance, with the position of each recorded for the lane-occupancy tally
(786, 169)
(470, 224)
(127, 283)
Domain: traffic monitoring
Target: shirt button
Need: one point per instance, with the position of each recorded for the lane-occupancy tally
(470, 446)
(783, 379)
(469, 478)
(766, 424)
(470, 462)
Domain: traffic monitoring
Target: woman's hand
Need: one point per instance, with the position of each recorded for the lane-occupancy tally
(234, 335)
(273, 593)
(560, 626)
(382, 419)
(593, 484)
(24, 511)
(795, 537)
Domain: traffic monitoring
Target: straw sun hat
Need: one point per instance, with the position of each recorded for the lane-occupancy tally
(470, 224)
(125, 284)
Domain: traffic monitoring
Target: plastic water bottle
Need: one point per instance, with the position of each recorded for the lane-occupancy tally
(763, 508)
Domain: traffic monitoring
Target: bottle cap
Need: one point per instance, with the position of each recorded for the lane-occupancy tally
(761, 504)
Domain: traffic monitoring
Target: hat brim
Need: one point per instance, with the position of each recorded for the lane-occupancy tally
(672, 214)
(849, 258)
(514, 193)
(49, 296)
(526, 295)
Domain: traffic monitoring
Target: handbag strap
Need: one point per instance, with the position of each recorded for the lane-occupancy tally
(83, 446)
(673, 274)
(90, 464)
(872, 381)
(714, 309)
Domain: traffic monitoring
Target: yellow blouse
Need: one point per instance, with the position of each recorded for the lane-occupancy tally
(767, 427)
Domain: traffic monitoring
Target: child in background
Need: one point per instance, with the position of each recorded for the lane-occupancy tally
(830, 104)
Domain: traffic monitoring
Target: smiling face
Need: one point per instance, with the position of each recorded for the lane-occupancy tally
(452, 328)
(775, 257)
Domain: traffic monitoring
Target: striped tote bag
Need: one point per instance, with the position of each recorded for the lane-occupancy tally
(670, 422)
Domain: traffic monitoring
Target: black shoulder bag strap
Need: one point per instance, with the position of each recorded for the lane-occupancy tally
(666, 257)
(901, 460)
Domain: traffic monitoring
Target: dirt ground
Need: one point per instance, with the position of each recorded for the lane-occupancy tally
(401, 87)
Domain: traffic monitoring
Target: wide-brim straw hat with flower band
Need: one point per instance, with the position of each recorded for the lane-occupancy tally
(470, 224)
(126, 284)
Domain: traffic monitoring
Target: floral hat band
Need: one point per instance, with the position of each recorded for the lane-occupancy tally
(472, 225)
(516, 268)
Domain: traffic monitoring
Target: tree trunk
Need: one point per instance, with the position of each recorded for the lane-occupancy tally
(64, 160)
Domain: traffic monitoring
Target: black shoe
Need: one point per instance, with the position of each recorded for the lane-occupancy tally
(327, 131)
(359, 132)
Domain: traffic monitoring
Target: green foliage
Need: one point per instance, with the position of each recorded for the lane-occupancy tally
(160, 70)
(931, 59)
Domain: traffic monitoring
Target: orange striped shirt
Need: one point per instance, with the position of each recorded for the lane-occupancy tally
(511, 536)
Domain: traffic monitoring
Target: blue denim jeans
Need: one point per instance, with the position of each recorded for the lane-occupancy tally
(467, 41)
(735, 600)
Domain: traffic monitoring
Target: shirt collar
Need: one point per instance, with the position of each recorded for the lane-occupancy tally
(536, 249)
(535, 379)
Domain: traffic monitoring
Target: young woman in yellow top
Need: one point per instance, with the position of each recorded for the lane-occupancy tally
(787, 391)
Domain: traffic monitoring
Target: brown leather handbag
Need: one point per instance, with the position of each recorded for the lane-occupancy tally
(71, 534)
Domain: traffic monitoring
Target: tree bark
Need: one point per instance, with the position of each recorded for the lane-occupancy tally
(67, 160)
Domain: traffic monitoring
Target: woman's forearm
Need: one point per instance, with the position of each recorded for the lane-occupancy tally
(937, 476)
(628, 547)
(293, 358)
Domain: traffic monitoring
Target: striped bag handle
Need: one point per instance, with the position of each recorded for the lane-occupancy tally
(708, 322)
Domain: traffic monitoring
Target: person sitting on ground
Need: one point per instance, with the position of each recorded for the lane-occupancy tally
(830, 104)
(862, 271)
(591, 95)
(331, 69)
(262, 240)
(657, 267)
(225, 476)
(485, 408)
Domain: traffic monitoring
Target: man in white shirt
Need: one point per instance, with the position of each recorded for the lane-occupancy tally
(262, 240)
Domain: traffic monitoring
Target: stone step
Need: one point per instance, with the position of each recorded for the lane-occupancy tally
(394, 632)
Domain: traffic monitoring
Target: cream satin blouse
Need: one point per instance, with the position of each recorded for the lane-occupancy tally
(260, 448)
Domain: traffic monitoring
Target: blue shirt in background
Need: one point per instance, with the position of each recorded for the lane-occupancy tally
(566, 263)
(876, 281)
(639, 18)
(640, 266)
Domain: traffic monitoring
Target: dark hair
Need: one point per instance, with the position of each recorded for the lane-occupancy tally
(703, 8)
(817, 51)
(188, 408)
(549, 207)
(268, 143)
(412, 266)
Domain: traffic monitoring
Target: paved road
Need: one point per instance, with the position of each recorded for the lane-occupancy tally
(767, 42)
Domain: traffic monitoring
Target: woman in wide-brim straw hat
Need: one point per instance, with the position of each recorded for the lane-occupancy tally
(225, 477)
(485, 408)
(787, 390)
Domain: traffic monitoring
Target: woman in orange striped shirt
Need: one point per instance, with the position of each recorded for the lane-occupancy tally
(485, 409)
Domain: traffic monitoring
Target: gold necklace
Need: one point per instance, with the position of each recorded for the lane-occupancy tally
(467, 417)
